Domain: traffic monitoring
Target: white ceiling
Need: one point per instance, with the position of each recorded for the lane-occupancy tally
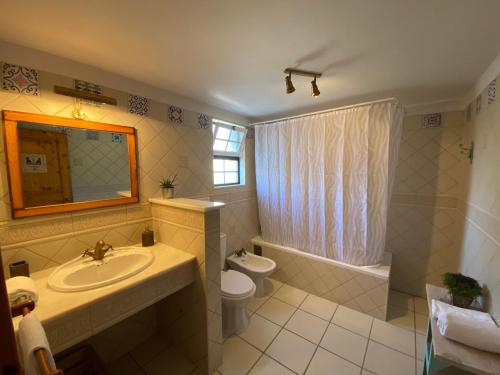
(231, 53)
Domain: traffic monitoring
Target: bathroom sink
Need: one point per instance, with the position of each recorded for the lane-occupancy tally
(86, 273)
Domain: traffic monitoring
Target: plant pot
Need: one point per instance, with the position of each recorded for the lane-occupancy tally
(168, 193)
(461, 301)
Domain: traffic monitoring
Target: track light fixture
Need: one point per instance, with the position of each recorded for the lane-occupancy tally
(289, 84)
(288, 80)
(314, 88)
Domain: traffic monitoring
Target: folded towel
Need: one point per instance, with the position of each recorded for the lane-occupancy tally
(440, 306)
(21, 287)
(32, 337)
(470, 327)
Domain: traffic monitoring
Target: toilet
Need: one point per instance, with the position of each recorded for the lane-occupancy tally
(237, 290)
(257, 267)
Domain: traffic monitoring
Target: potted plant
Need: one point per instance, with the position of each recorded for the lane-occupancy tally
(463, 289)
(168, 186)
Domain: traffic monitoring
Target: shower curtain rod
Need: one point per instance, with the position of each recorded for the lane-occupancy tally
(327, 110)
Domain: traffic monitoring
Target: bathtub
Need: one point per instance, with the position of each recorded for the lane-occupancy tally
(365, 289)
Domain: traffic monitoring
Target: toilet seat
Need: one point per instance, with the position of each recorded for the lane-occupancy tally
(235, 284)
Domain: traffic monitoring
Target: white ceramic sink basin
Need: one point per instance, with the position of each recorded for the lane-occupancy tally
(86, 273)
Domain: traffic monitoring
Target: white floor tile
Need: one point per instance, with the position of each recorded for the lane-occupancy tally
(344, 343)
(149, 349)
(401, 300)
(255, 303)
(401, 317)
(383, 360)
(123, 366)
(271, 286)
(268, 366)
(421, 306)
(421, 323)
(276, 311)
(290, 295)
(394, 337)
(353, 320)
(324, 363)
(420, 342)
(292, 351)
(238, 357)
(260, 332)
(169, 362)
(319, 306)
(366, 372)
(307, 325)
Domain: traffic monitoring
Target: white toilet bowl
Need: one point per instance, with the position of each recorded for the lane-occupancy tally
(257, 267)
(237, 290)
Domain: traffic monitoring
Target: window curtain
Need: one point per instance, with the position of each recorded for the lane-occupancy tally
(324, 181)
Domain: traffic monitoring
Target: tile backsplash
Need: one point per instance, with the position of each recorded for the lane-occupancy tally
(165, 147)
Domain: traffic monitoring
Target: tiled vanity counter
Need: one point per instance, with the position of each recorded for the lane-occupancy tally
(69, 318)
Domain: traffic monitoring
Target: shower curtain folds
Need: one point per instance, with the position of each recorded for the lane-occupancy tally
(324, 180)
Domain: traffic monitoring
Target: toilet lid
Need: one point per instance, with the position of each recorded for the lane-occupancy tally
(235, 283)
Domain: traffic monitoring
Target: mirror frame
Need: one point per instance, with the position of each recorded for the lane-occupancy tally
(10, 120)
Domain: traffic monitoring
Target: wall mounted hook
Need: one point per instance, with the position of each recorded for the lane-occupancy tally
(469, 151)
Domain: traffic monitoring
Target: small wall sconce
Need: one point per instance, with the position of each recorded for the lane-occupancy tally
(84, 95)
(469, 151)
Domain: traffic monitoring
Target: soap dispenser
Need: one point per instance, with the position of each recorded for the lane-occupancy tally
(148, 237)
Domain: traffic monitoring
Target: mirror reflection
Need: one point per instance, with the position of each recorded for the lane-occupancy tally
(64, 165)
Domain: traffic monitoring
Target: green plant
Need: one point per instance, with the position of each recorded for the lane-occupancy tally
(461, 285)
(168, 183)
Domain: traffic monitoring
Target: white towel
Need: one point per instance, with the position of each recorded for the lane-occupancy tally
(20, 287)
(32, 337)
(470, 327)
(440, 306)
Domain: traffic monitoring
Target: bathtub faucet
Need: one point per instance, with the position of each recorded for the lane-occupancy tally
(240, 252)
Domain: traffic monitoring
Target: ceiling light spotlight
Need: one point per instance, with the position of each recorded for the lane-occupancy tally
(289, 84)
(314, 88)
(299, 72)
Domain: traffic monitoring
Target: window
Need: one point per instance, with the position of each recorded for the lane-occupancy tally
(226, 170)
(228, 148)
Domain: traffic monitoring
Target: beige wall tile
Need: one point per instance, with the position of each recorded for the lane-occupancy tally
(480, 250)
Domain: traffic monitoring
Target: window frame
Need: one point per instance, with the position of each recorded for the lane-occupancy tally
(239, 155)
(238, 172)
(216, 124)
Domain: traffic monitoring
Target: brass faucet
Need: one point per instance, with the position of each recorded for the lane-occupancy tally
(240, 252)
(98, 252)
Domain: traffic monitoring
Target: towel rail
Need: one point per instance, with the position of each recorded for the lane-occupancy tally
(40, 354)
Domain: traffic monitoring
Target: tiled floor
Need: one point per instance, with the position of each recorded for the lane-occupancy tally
(293, 332)
(153, 357)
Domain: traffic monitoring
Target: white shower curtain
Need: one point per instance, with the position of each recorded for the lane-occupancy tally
(324, 180)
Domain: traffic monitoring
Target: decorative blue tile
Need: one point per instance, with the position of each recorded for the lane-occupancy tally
(117, 137)
(479, 100)
(91, 88)
(138, 105)
(432, 120)
(492, 91)
(250, 132)
(203, 121)
(92, 135)
(20, 79)
(175, 114)
(468, 115)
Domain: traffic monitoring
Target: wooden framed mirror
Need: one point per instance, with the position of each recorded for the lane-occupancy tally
(57, 164)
